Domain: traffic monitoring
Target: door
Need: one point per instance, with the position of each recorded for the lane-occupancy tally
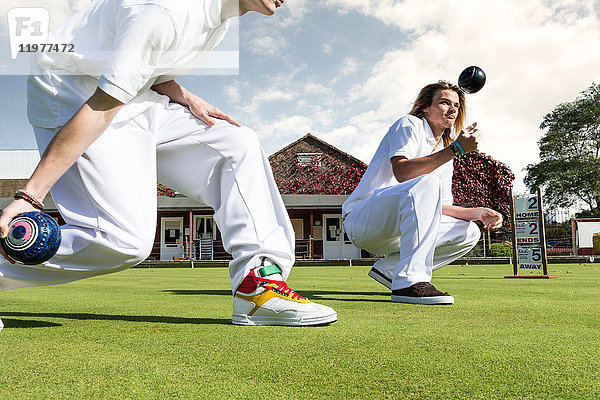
(336, 243)
(171, 229)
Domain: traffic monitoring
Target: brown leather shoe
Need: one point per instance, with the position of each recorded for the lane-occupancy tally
(421, 293)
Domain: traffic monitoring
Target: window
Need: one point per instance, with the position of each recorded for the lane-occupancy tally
(298, 225)
(204, 227)
(172, 230)
(309, 159)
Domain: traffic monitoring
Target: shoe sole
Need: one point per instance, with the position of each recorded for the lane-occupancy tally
(432, 300)
(240, 319)
(379, 277)
(1, 325)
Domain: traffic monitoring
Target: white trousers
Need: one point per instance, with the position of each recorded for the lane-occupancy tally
(406, 221)
(108, 198)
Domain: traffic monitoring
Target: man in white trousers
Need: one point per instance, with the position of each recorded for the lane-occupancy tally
(403, 205)
(110, 119)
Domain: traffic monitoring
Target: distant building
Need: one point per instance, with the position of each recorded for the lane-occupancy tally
(314, 178)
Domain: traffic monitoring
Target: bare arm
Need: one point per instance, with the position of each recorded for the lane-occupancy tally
(72, 140)
(200, 108)
(405, 169)
(491, 219)
(68, 144)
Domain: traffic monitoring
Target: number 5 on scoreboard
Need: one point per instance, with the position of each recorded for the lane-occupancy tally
(536, 255)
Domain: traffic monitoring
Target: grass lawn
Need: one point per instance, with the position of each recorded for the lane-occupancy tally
(166, 333)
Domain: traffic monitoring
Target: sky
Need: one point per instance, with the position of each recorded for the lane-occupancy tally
(345, 70)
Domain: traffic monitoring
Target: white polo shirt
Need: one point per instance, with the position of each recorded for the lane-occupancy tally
(410, 137)
(123, 47)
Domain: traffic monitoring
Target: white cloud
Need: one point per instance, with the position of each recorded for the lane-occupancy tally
(327, 48)
(314, 88)
(233, 93)
(285, 126)
(536, 54)
(267, 45)
(350, 66)
(295, 11)
(266, 39)
(268, 95)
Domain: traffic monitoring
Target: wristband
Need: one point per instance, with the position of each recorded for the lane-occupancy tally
(28, 197)
(462, 151)
(455, 149)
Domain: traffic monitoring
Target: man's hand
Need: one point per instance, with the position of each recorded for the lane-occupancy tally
(491, 219)
(202, 110)
(15, 208)
(469, 137)
(199, 108)
(69, 143)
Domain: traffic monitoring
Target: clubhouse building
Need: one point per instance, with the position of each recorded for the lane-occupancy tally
(313, 177)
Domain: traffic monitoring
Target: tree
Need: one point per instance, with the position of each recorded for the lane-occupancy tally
(569, 165)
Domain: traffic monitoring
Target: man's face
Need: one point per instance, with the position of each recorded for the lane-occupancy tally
(443, 110)
(267, 7)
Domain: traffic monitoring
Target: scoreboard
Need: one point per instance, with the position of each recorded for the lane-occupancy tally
(528, 236)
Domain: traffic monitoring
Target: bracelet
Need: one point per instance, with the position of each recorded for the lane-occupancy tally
(462, 151)
(28, 197)
(455, 150)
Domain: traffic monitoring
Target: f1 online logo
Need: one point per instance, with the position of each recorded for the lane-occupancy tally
(27, 26)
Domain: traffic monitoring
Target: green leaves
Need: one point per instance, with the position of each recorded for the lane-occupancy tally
(569, 167)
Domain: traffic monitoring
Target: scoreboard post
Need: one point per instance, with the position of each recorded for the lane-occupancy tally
(528, 236)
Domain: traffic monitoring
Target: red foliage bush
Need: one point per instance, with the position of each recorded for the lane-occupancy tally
(162, 190)
(332, 176)
(481, 181)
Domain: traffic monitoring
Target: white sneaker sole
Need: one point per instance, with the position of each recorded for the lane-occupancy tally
(1, 325)
(242, 319)
(379, 277)
(433, 300)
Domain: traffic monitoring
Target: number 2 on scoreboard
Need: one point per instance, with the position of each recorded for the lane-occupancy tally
(532, 203)
(533, 228)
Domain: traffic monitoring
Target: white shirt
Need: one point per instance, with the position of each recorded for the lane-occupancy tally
(123, 47)
(410, 137)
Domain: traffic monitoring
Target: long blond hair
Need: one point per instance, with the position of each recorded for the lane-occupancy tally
(425, 99)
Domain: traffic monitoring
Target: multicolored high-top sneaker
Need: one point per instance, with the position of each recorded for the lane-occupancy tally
(262, 301)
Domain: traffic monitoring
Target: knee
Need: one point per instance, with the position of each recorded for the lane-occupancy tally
(136, 251)
(143, 251)
(245, 139)
(426, 191)
(428, 183)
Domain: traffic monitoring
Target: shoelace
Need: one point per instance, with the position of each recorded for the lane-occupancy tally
(284, 289)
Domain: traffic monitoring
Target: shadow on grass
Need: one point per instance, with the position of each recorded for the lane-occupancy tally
(108, 317)
(468, 277)
(27, 323)
(311, 294)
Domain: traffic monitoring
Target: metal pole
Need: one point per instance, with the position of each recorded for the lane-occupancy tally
(513, 234)
(542, 233)
(191, 222)
(574, 236)
(484, 246)
(311, 253)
